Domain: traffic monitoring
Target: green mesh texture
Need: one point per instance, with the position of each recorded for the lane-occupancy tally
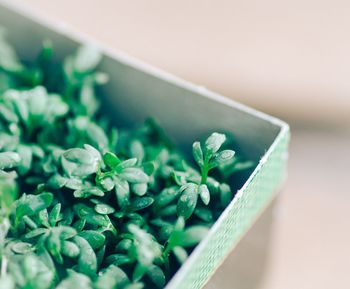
(236, 220)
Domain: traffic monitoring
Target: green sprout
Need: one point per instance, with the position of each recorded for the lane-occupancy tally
(84, 204)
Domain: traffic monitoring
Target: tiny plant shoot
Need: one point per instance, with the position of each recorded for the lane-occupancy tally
(84, 204)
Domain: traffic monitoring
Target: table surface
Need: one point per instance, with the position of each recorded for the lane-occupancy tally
(310, 237)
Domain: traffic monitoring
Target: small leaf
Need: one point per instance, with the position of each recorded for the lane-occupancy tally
(87, 192)
(95, 239)
(111, 160)
(86, 59)
(79, 162)
(197, 153)
(75, 280)
(140, 203)
(107, 184)
(104, 209)
(8, 160)
(180, 254)
(139, 271)
(214, 142)
(222, 157)
(122, 191)
(225, 195)
(146, 247)
(54, 215)
(127, 164)
(35, 233)
(137, 151)
(70, 249)
(140, 189)
(204, 214)
(156, 275)
(188, 200)
(204, 194)
(166, 196)
(193, 235)
(118, 259)
(135, 285)
(134, 175)
(87, 262)
(22, 248)
(31, 204)
(111, 278)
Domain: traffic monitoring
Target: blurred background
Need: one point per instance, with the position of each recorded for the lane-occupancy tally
(288, 58)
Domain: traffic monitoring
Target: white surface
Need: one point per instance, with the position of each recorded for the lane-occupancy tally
(291, 58)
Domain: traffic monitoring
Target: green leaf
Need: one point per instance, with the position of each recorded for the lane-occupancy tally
(79, 162)
(214, 142)
(156, 275)
(111, 160)
(188, 200)
(75, 280)
(70, 249)
(30, 272)
(104, 209)
(134, 175)
(54, 215)
(31, 204)
(111, 278)
(197, 153)
(166, 196)
(88, 192)
(136, 285)
(96, 134)
(87, 262)
(35, 233)
(180, 254)
(107, 184)
(118, 259)
(193, 235)
(137, 151)
(225, 195)
(95, 239)
(139, 271)
(205, 214)
(22, 248)
(86, 59)
(140, 189)
(146, 247)
(26, 155)
(222, 157)
(8, 57)
(9, 160)
(122, 191)
(140, 203)
(204, 194)
(129, 163)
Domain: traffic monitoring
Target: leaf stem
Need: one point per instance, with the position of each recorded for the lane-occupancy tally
(205, 170)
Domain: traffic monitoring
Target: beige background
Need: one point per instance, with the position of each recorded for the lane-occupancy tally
(282, 56)
(290, 58)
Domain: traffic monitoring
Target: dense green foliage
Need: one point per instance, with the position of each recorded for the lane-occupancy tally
(83, 204)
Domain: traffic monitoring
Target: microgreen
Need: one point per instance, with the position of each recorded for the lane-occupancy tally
(84, 204)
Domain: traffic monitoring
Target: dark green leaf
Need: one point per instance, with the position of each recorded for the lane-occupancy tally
(87, 262)
(31, 204)
(95, 239)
